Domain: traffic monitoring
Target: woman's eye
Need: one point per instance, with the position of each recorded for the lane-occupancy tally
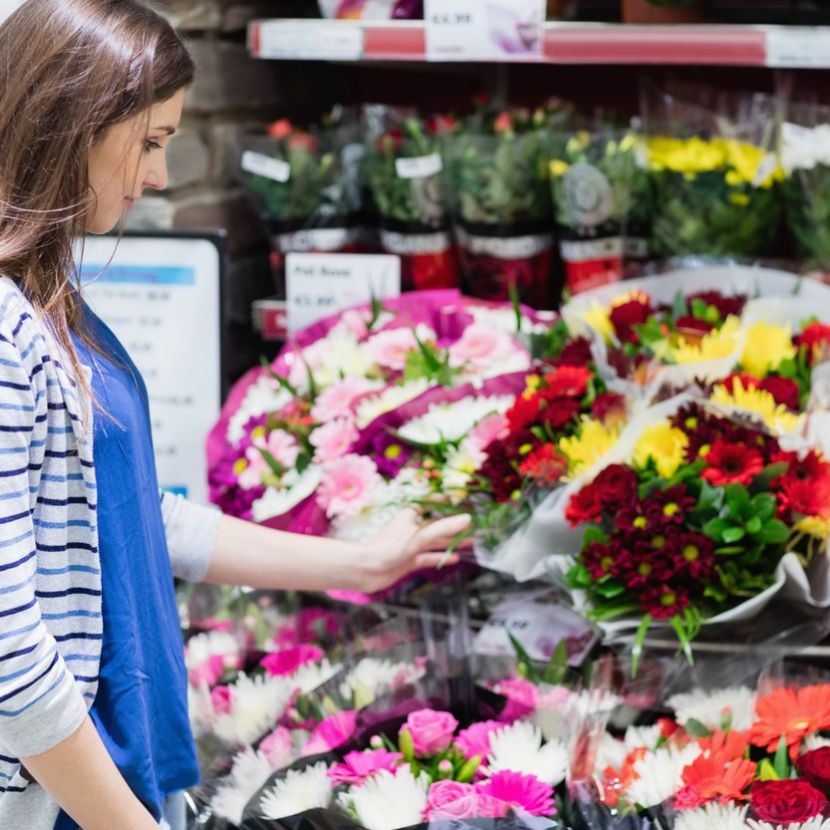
(151, 144)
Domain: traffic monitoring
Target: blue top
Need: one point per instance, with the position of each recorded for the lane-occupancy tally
(141, 707)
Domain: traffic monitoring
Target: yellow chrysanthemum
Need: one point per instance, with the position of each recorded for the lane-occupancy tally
(715, 345)
(814, 526)
(689, 156)
(597, 318)
(585, 448)
(559, 167)
(767, 346)
(775, 415)
(665, 445)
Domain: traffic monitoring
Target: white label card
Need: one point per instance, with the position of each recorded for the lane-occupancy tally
(271, 168)
(419, 167)
(462, 30)
(319, 285)
(310, 40)
(798, 47)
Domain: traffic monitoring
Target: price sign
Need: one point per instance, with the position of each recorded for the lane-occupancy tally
(464, 30)
(310, 40)
(319, 285)
(795, 47)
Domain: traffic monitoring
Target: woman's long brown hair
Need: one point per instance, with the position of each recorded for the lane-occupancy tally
(69, 70)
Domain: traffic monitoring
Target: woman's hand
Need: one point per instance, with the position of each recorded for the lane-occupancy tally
(408, 544)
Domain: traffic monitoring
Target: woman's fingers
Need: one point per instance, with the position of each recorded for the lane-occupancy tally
(435, 560)
(442, 532)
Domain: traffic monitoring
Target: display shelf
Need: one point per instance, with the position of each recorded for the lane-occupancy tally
(564, 43)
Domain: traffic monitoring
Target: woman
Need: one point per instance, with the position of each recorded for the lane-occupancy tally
(92, 684)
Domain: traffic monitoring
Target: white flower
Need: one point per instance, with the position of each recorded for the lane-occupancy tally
(639, 736)
(337, 355)
(250, 770)
(371, 678)
(452, 421)
(298, 487)
(817, 823)
(210, 644)
(312, 675)
(611, 752)
(659, 775)
(256, 706)
(711, 708)
(300, 790)
(200, 709)
(503, 319)
(812, 742)
(264, 395)
(388, 801)
(391, 398)
(519, 748)
(712, 817)
(460, 466)
(803, 148)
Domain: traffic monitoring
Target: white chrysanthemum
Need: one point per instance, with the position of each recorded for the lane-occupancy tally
(210, 644)
(520, 748)
(710, 708)
(371, 678)
(659, 775)
(250, 770)
(562, 718)
(638, 736)
(300, 790)
(391, 398)
(336, 356)
(256, 705)
(712, 817)
(264, 395)
(611, 752)
(312, 675)
(387, 801)
(452, 421)
(817, 823)
(461, 464)
(803, 148)
(503, 319)
(299, 486)
(812, 742)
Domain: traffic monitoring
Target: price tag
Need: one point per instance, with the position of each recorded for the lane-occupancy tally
(420, 167)
(463, 30)
(538, 626)
(270, 168)
(319, 285)
(795, 47)
(310, 40)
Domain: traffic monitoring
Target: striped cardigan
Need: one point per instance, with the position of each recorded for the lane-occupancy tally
(50, 577)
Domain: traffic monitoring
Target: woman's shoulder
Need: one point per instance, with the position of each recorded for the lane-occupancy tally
(19, 325)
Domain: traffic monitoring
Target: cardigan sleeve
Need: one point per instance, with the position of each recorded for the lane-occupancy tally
(40, 704)
(191, 531)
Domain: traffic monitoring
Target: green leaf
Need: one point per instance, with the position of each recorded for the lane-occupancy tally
(782, 759)
(516, 302)
(766, 771)
(593, 533)
(764, 506)
(281, 381)
(610, 590)
(737, 498)
(276, 468)
(696, 729)
(753, 525)
(639, 639)
(683, 637)
(525, 660)
(303, 462)
(770, 472)
(679, 307)
(715, 528)
(774, 532)
(733, 534)
(557, 668)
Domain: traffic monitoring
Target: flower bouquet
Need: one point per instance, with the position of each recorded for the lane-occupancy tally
(497, 172)
(372, 9)
(403, 167)
(602, 206)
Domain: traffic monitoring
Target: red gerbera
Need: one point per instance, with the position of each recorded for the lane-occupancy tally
(570, 381)
(816, 339)
(792, 714)
(806, 496)
(524, 411)
(546, 465)
(732, 464)
(720, 772)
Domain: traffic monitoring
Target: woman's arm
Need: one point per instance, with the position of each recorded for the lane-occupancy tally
(80, 775)
(248, 554)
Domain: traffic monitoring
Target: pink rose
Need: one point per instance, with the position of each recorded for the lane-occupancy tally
(475, 740)
(356, 322)
(331, 733)
(522, 698)
(347, 485)
(333, 440)
(339, 399)
(447, 800)
(431, 731)
(358, 766)
(390, 348)
(290, 660)
(480, 346)
(523, 793)
(220, 697)
(278, 748)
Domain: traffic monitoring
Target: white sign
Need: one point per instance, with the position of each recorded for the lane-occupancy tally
(418, 167)
(310, 40)
(464, 30)
(796, 47)
(319, 285)
(262, 165)
(161, 298)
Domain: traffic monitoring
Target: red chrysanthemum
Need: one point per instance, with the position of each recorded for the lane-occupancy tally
(617, 487)
(559, 412)
(694, 554)
(724, 305)
(568, 381)
(575, 353)
(664, 601)
(728, 463)
(545, 465)
(624, 317)
(784, 390)
(601, 560)
(669, 506)
(584, 506)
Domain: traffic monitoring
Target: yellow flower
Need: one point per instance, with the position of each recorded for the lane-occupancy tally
(629, 297)
(717, 344)
(776, 416)
(590, 443)
(598, 319)
(688, 156)
(767, 346)
(532, 383)
(814, 526)
(665, 445)
(559, 167)
(740, 199)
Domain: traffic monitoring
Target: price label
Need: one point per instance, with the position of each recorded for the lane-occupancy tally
(310, 40)
(463, 30)
(419, 167)
(795, 47)
(270, 168)
(319, 285)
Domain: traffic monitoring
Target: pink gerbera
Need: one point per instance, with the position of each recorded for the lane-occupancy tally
(524, 793)
(290, 660)
(331, 733)
(475, 740)
(347, 485)
(358, 766)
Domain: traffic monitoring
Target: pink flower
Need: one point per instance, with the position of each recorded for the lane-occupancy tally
(356, 322)
(524, 793)
(314, 623)
(489, 807)
(290, 660)
(447, 800)
(485, 432)
(333, 440)
(431, 731)
(212, 624)
(220, 697)
(358, 766)
(347, 485)
(480, 346)
(390, 348)
(338, 400)
(522, 698)
(332, 733)
(210, 672)
(278, 748)
(280, 444)
(475, 740)
(553, 698)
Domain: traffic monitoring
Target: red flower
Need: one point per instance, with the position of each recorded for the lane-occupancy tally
(546, 465)
(784, 390)
(643, 566)
(728, 463)
(624, 317)
(791, 713)
(584, 506)
(503, 123)
(720, 772)
(814, 767)
(616, 487)
(664, 601)
(559, 412)
(688, 325)
(576, 353)
(601, 560)
(570, 381)
(669, 506)
(816, 339)
(524, 411)
(805, 496)
(279, 129)
(747, 381)
(608, 406)
(810, 467)
(440, 124)
(724, 305)
(786, 802)
(693, 553)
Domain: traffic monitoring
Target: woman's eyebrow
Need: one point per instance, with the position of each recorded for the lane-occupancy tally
(168, 130)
